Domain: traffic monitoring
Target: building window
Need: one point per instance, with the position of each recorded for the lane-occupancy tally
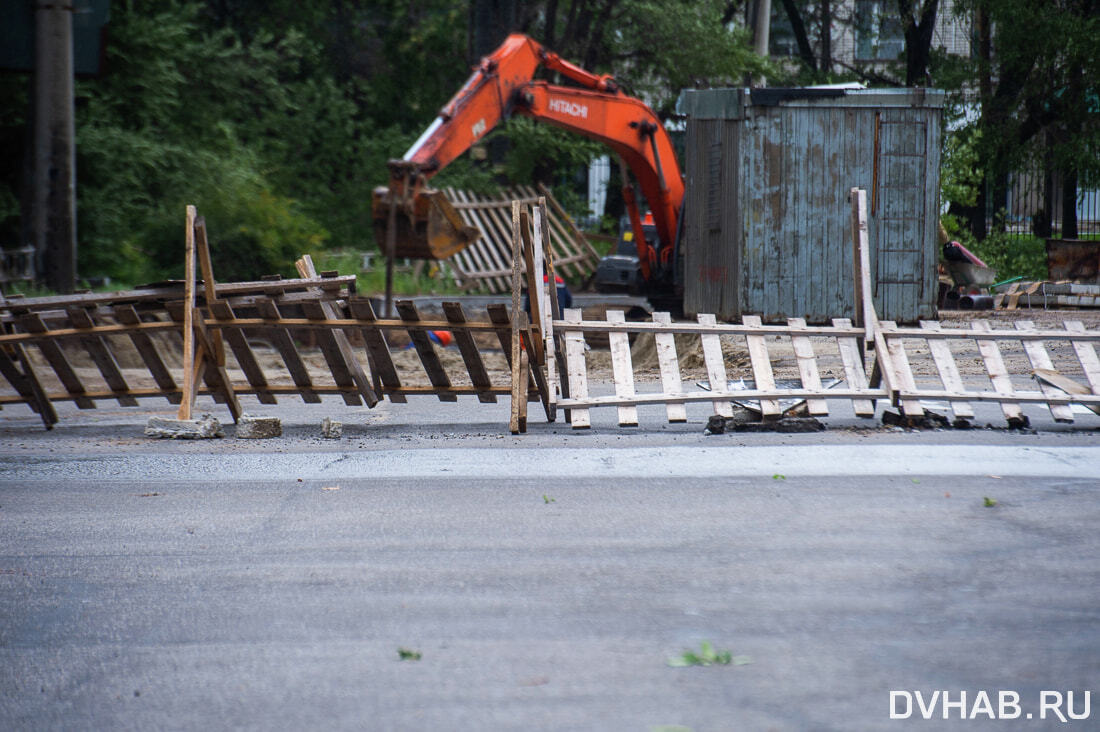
(879, 33)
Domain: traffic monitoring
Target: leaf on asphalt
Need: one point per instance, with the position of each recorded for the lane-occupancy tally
(330, 488)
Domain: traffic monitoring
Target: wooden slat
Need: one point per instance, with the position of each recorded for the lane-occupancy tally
(473, 258)
(623, 369)
(199, 371)
(901, 374)
(584, 248)
(463, 262)
(104, 360)
(716, 365)
(537, 388)
(949, 370)
(22, 377)
(479, 376)
(761, 368)
(752, 394)
(497, 252)
(202, 247)
(150, 354)
(524, 375)
(861, 261)
(284, 344)
(55, 357)
(854, 372)
(424, 349)
(534, 286)
(518, 320)
(1040, 359)
(246, 359)
(344, 350)
(1086, 354)
(494, 250)
(1066, 385)
(214, 372)
(518, 422)
(334, 356)
(502, 322)
(995, 367)
(669, 363)
(187, 403)
(719, 329)
(552, 311)
(807, 366)
(378, 350)
(578, 371)
(498, 315)
(332, 287)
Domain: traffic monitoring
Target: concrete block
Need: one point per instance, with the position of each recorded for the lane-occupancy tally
(331, 429)
(252, 427)
(203, 428)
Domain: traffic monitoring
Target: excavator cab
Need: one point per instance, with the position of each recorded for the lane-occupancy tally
(413, 221)
(620, 270)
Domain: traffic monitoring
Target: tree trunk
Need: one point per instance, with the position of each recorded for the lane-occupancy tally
(55, 148)
(1043, 219)
(1069, 203)
(798, 27)
(918, 40)
(826, 36)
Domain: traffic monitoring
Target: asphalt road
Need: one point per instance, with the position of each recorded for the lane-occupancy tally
(546, 580)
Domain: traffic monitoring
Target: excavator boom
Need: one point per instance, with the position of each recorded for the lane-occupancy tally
(502, 85)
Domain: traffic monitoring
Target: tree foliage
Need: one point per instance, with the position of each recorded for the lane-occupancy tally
(276, 118)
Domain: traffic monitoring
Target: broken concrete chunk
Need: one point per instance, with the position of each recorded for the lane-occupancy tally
(331, 429)
(203, 428)
(251, 427)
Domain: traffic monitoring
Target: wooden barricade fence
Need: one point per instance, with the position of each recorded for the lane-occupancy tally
(671, 390)
(486, 264)
(216, 328)
(890, 351)
(211, 325)
(1025, 348)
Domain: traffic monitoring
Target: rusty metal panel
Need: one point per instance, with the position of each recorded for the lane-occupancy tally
(782, 246)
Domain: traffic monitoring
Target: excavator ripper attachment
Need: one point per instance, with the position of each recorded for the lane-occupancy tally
(425, 225)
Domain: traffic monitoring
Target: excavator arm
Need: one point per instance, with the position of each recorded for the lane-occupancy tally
(503, 85)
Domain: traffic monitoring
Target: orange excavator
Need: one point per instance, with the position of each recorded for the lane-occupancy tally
(412, 220)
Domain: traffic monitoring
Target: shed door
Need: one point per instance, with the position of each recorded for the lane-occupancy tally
(898, 205)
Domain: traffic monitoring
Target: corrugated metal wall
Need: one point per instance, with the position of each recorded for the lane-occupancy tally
(766, 226)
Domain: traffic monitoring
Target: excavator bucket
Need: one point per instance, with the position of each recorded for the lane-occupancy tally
(421, 226)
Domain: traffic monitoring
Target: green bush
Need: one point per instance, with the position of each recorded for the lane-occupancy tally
(1013, 256)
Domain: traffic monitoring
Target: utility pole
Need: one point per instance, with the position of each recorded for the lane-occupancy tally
(759, 16)
(54, 146)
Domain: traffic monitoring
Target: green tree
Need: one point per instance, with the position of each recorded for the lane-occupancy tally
(1035, 74)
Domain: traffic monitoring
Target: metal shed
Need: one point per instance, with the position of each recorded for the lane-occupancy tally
(766, 216)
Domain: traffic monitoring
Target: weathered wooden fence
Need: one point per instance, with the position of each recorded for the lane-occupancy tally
(878, 361)
(486, 264)
(215, 328)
